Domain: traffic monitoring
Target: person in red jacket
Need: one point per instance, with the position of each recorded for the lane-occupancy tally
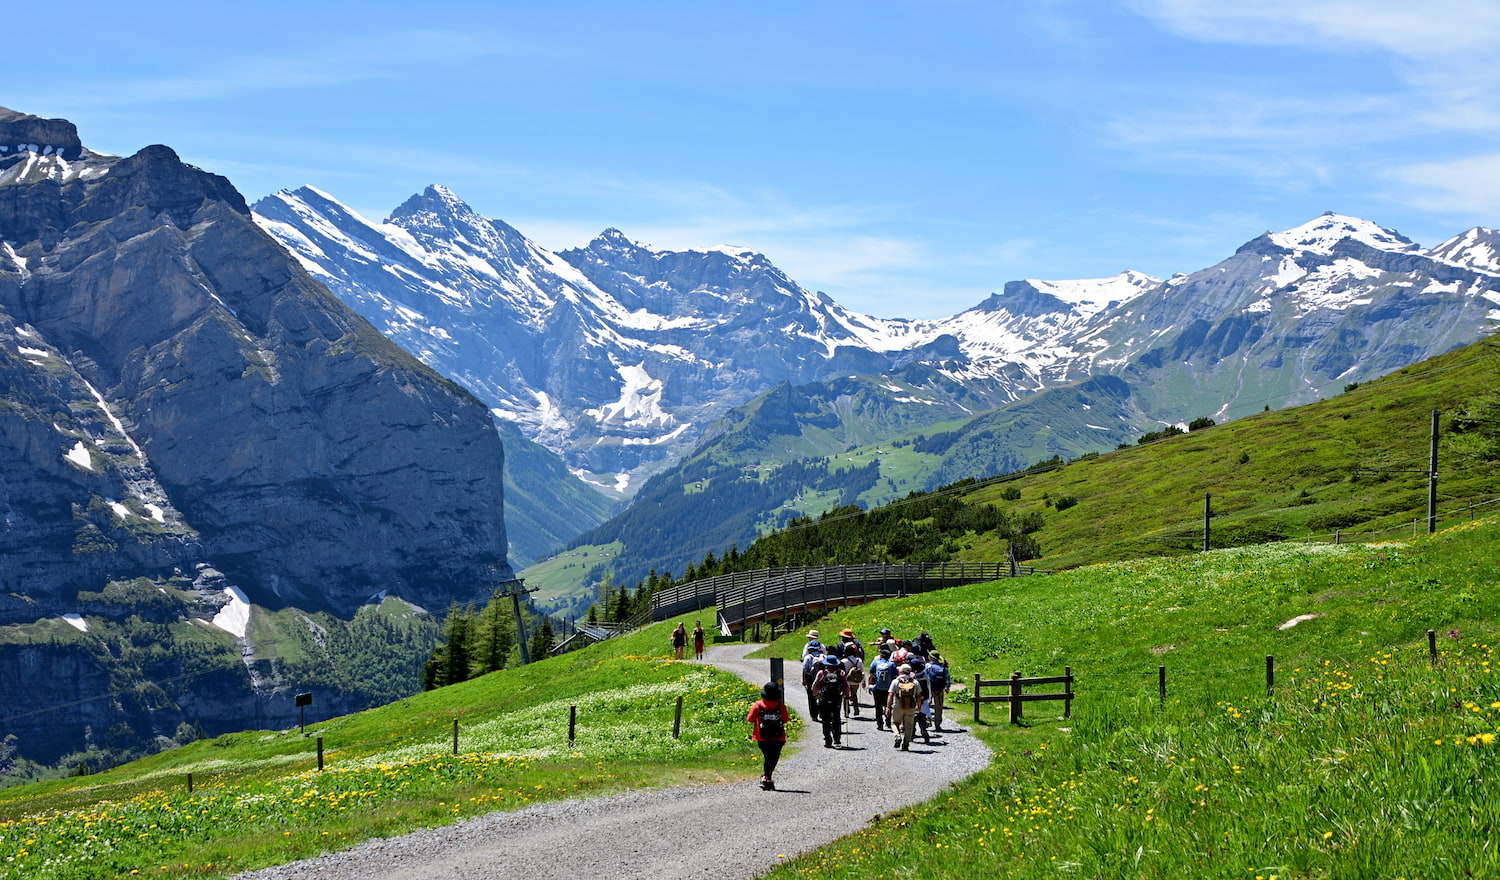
(768, 719)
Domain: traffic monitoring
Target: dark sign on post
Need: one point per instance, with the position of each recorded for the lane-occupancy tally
(303, 701)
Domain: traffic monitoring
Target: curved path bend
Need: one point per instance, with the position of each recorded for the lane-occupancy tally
(725, 831)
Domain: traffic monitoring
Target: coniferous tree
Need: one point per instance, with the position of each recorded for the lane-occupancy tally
(542, 640)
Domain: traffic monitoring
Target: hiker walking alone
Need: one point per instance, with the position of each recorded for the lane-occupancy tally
(768, 720)
(697, 640)
(679, 641)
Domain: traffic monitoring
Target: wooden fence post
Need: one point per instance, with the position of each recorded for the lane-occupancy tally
(976, 698)
(1068, 692)
(677, 719)
(455, 736)
(572, 724)
(1015, 698)
(1432, 657)
(320, 753)
(1161, 685)
(190, 783)
(1270, 676)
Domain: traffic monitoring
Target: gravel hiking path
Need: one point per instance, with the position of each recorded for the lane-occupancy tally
(723, 831)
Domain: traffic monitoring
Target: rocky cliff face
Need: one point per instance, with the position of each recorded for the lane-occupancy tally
(179, 392)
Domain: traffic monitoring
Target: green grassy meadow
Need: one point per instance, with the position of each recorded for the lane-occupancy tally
(258, 798)
(1366, 761)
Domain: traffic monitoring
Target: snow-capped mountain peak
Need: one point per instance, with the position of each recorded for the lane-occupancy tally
(1321, 234)
(1477, 249)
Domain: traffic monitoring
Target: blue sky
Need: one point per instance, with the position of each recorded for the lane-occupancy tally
(907, 158)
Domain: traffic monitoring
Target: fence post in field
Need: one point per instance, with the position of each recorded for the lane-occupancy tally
(677, 719)
(1336, 539)
(1270, 676)
(320, 753)
(976, 698)
(1015, 698)
(190, 783)
(572, 724)
(1161, 685)
(1068, 692)
(455, 736)
(1207, 512)
(1432, 657)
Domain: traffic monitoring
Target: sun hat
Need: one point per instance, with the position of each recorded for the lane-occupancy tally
(812, 633)
(848, 633)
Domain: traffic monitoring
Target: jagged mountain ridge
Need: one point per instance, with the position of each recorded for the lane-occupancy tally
(616, 356)
(639, 351)
(1284, 320)
(191, 424)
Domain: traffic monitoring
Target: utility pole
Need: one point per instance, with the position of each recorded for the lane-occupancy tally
(515, 589)
(1432, 478)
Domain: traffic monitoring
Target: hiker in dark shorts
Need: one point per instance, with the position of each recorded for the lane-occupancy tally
(697, 640)
(679, 641)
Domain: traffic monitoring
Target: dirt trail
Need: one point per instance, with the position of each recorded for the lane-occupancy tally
(728, 831)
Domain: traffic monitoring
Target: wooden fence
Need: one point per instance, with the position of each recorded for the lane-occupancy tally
(1016, 695)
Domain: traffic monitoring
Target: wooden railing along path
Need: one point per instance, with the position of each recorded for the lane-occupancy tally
(745, 598)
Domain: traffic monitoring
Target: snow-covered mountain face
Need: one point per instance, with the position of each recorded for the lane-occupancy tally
(617, 356)
(1291, 315)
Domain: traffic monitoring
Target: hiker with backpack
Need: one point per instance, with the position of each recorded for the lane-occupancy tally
(812, 656)
(882, 673)
(830, 689)
(924, 704)
(854, 674)
(938, 682)
(679, 641)
(903, 704)
(768, 719)
(697, 640)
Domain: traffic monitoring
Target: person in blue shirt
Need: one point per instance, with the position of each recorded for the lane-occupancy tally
(882, 673)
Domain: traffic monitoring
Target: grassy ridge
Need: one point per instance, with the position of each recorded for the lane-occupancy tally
(1348, 463)
(1368, 761)
(258, 798)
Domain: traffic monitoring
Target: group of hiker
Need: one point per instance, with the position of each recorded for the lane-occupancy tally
(907, 681)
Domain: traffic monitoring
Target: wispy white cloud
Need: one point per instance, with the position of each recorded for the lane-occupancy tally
(1468, 186)
(1403, 76)
(1431, 30)
(351, 60)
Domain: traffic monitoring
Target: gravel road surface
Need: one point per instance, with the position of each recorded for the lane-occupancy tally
(724, 831)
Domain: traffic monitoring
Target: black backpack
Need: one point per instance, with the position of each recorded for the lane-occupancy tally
(832, 691)
(772, 726)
